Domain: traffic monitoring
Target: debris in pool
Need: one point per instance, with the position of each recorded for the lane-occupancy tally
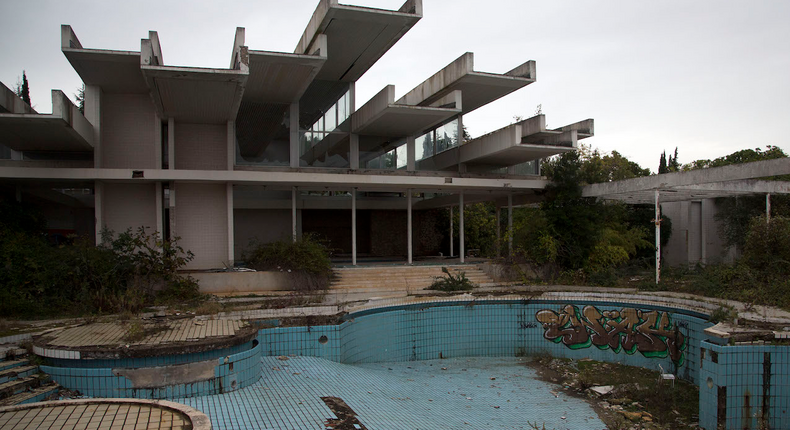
(282, 358)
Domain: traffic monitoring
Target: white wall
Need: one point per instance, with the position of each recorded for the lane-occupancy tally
(201, 220)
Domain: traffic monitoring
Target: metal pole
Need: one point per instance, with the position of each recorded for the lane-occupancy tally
(408, 228)
(658, 238)
(461, 226)
(293, 213)
(451, 231)
(510, 225)
(768, 208)
(498, 233)
(353, 226)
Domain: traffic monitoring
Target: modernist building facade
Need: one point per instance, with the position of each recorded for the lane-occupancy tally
(273, 146)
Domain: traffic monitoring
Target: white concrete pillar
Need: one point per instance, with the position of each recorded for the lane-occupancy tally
(231, 244)
(171, 144)
(703, 228)
(408, 224)
(451, 231)
(353, 152)
(460, 130)
(658, 237)
(157, 141)
(293, 124)
(353, 226)
(98, 209)
(160, 213)
(461, 225)
(768, 207)
(293, 213)
(93, 115)
(410, 154)
(231, 144)
(510, 225)
(498, 233)
(172, 202)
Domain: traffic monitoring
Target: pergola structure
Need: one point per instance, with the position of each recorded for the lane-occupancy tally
(726, 181)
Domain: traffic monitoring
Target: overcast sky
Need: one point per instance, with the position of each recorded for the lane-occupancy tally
(708, 76)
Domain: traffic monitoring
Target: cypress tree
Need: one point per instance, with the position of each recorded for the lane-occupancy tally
(25, 89)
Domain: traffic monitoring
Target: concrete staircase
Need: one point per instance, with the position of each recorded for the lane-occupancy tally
(21, 380)
(395, 281)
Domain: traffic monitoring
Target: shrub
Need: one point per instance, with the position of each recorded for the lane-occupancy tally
(306, 259)
(451, 282)
(123, 274)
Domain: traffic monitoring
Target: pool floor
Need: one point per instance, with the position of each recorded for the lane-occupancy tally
(463, 393)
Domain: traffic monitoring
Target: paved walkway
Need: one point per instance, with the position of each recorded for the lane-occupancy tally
(101, 416)
(465, 393)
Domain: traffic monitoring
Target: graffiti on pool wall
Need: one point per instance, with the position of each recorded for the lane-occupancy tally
(652, 333)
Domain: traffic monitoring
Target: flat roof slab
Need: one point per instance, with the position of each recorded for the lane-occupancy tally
(196, 95)
(280, 78)
(113, 71)
(33, 132)
(400, 120)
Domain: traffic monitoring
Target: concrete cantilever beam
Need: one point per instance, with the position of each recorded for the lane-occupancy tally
(193, 94)
(517, 143)
(381, 116)
(478, 88)
(23, 129)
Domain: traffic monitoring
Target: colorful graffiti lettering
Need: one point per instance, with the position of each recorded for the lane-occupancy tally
(649, 332)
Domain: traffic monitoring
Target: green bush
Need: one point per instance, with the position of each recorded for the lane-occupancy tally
(125, 273)
(451, 282)
(306, 259)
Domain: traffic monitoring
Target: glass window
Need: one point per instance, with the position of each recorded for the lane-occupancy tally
(388, 160)
(423, 146)
(330, 118)
(447, 136)
(401, 157)
(374, 163)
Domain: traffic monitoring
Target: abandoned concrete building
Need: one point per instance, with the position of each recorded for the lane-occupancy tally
(274, 146)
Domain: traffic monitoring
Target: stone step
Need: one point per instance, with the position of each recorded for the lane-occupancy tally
(7, 364)
(17, 373)
(17, 386)
(409, 275)
(12, 352)
(38, 394)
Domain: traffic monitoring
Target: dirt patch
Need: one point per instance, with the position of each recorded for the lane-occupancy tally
(637, 399)
(312, 320)
(346, 417)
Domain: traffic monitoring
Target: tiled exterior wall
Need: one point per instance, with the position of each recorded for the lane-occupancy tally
(201, 146)
(754, 384)
(265, 225)
(202, 223)
(128, 132)
(230, 373)
(129, 206)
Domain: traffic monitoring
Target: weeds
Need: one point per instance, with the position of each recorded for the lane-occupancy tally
(452, 282)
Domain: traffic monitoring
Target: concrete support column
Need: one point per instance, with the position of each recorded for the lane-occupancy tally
(510, 225)
(768, 207)
(498, 233)
(172, 201)
(98, 209)
(18, 193)
(353, 226)
(93, 115)
(293, 124)
(160, 223)
(231, 144)
(293, 213)
(171, 144)
(703, 228)
(231, 251)
(157, 141)
(408, 224)
(451, 232)
(353, 152)
(410, 154)
(461, 225)
(461, 140)
(658, 237)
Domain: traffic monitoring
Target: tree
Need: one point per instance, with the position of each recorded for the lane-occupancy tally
(662, 163)
(80, 96)
(22, 89)
(673, 165)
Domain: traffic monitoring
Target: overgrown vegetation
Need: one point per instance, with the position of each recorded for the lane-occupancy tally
(760, 277)
(306, 260)
(127, 272)
(451, 282)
